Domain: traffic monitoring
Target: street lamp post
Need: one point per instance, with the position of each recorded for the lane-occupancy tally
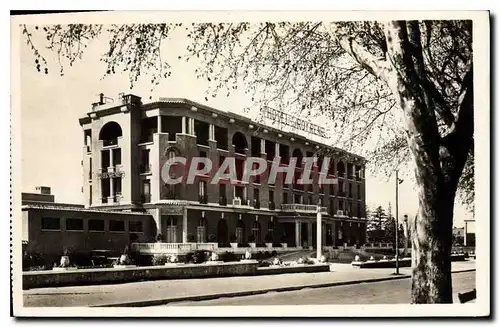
(397, 225)
(318, 231)
(405, 230)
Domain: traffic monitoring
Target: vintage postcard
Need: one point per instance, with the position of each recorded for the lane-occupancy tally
(200, 164)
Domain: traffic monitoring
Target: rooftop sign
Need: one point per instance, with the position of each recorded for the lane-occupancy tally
(284, 119)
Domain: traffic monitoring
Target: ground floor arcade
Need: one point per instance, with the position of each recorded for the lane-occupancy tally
(233, 225)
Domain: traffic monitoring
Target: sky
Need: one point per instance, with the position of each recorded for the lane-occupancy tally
(52, 139)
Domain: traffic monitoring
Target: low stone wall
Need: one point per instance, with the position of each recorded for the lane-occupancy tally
(37, 279)
(293, 269)
(403, 262)
(406, 262)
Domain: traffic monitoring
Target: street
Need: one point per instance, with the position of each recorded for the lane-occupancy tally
(387, 292)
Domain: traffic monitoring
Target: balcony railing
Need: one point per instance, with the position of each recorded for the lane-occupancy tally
(223, 201)
(256, 204)
(173, 248)
(203, 199)
(272, 205)
(305, 208)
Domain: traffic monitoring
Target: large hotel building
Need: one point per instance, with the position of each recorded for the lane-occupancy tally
(125, 144)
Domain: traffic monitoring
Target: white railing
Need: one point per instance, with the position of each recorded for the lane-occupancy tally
(172, 248)
(307, 208)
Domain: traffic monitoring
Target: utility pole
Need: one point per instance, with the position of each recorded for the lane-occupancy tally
(397, 224)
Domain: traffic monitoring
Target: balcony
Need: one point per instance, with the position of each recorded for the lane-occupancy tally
(223, 201)
(256, 204)
(303, 208)
(272, 205)
(203, 199)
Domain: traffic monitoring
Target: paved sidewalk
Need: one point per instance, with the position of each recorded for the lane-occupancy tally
(166, 291)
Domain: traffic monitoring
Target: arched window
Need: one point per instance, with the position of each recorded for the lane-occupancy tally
(201, 231)
(240, 231)
(240, 143)
(110, 133)
(171, 236)
(256, 232)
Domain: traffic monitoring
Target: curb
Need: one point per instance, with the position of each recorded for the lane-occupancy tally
(206, 297)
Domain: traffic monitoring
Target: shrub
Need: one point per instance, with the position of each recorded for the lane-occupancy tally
(160, 259)
(274, 253)
(229, 257)
(199, 257)
(33, 260)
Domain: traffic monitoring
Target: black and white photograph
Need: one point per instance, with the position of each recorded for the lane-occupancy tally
(246, 163)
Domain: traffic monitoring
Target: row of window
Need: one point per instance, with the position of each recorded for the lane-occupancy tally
(94, 225)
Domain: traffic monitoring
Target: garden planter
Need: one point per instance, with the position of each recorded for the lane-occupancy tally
(234, 245)
(269, 245)
(253, 245)
(284, 245)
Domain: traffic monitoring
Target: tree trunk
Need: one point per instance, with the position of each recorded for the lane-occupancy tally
(431, 246)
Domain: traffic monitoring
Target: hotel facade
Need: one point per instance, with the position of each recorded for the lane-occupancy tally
(126, 142)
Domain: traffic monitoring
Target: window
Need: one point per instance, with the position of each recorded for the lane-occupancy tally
(172, 229)
(171, 154)
(256, 194)
(222, 190)
(117, 157)
(359, 191)
(285, 198)
(350, 190)
(240, 231)
(74, 224)
(201, 231)
(116, 226)
(135, 226)
(105, 160)
(146, 191)
(96, 225)
(203, 154)
(145, 163)
(202, 190)
(271, 196)
(256, 232)
(51, 223)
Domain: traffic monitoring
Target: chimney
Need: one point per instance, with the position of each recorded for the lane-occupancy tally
(43, 190)
(101, 98)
